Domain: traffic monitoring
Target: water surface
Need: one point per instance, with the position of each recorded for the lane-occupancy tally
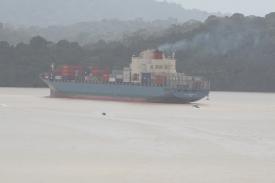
(230, 138)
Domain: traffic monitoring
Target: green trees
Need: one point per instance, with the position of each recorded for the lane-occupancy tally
(21, 65)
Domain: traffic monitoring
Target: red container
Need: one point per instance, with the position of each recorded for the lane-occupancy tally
(106, 71)
(67, 71)
(100, 72)
(95, 71)
(160, 80)
(106, 77)
(78, 70)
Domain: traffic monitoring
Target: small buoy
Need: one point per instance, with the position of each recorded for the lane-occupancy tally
(196, 106)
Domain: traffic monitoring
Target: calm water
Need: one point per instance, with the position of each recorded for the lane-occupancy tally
(229, 139)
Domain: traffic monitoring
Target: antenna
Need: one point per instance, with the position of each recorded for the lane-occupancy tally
(52, 67)
(52, 71)
(53, 64)
(173, 55)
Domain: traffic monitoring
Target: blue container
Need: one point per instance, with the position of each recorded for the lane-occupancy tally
(146, 78)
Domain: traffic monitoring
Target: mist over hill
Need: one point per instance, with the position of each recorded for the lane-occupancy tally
(85, 32)
(66, 12)
(88, 21)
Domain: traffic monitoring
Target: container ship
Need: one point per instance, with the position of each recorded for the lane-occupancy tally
(151, 77)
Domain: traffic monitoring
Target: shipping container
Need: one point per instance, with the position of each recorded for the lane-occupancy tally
(135, 78)
(119, 80)
(95, 71)
(146, 78)
(67, 71)
(112, 79)
(87, 78)
(106, 77)
(86, 71)
(118, 74)
(179, 79)
(160, 80)
(78, 70)
(58, 77)
(126, 75)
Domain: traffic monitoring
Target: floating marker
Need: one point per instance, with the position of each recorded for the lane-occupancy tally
(196, 106)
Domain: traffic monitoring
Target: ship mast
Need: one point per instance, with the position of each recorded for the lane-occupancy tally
(52, 71)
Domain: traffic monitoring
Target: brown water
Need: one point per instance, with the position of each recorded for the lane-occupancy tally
(229, 139)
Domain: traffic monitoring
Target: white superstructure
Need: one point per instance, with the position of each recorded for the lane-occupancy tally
(151, 61)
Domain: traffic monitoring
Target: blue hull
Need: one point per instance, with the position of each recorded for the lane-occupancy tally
(127, 92)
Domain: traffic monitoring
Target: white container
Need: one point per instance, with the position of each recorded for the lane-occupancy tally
(119, 76)
(126, 75)
(112, 79)
(58, 77)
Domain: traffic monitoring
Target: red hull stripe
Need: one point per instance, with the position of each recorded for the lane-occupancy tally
(107, 98)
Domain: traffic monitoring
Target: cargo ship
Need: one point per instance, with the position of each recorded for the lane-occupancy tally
(151, 77)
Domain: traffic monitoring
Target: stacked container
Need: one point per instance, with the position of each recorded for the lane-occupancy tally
(100, 74)
(126, 75)
(146, 78)
(118, 75)
(78, 72)
(67, 72)
(159, 79)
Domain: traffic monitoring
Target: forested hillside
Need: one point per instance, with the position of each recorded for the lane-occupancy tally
(235, 53)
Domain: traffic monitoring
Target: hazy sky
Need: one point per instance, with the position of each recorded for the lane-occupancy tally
(248, 7)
